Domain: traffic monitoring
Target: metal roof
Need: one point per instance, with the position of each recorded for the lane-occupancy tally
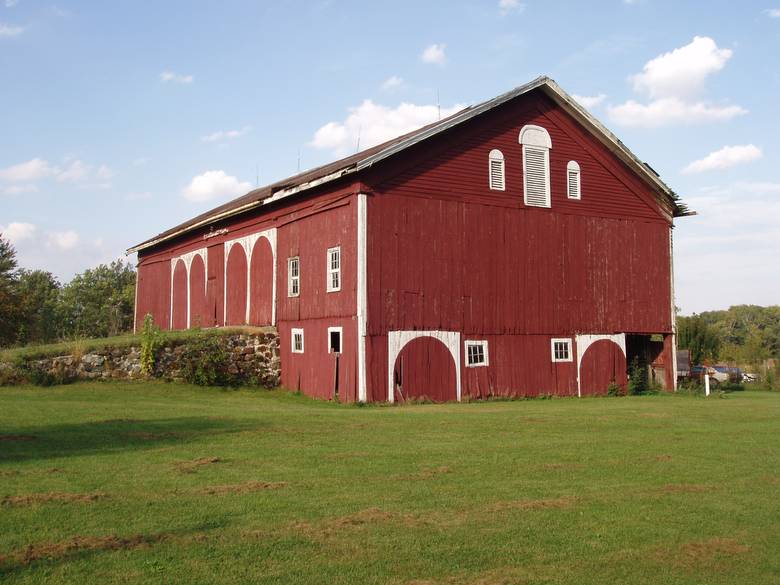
(374, 155)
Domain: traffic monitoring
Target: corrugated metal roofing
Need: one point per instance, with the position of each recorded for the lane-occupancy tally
(371, 156)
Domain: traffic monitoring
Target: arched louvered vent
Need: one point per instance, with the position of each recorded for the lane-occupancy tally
(536, 165)
(496, 170)
(573, 180)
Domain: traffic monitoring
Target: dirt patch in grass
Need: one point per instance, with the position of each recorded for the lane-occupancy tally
(76, 545)
(49, 471)
(683, 488)
(33, 499)
(563, 466)
(428, 473)
(192, 466)
(242, 488)
(703, 553)
(353, 455)
(541, 504)
(662, 457)
(9, 438)
(362, 518)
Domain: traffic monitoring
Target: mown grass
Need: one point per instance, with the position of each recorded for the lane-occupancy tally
(163, 483)
(80, 346)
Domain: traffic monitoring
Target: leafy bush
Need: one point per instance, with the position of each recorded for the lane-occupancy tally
(638, 382)
(614, 389)
(151, 342)
(39, 376)
(206, 362)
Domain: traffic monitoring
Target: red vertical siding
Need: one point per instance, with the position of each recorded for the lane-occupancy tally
(425, 369)
(261, 276)
(215, 287)
(602, 364)
(180, 296)
(154, 292)
(198, 305)
(236, 286)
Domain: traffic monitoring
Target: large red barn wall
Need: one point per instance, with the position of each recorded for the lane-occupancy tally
(305, 228)
(446, 253)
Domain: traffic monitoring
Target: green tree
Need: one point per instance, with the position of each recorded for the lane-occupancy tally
(99, 301)
(701, 339)
(38, 293)
(9, 298)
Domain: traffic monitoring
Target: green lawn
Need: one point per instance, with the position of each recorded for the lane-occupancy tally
(164, 483)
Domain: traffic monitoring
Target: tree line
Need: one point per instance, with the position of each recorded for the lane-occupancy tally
(36, 308)
(742, 334)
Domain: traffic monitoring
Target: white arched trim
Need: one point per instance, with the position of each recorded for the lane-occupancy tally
(187, 258)
(396, 340)
(248, 244)
(585, 341)
(531, 135)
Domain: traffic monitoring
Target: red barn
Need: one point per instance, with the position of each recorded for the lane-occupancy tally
(515, 248)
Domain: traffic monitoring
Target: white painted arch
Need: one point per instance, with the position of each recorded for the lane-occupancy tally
(187, 258)
(248, 244)
(585, 341)
(397, 340)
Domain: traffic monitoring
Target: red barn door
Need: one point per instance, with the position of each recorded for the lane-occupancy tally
(425, 369)
(261, 280)
(198, 308)
(236, 286)
(602, 364)
(180, 296)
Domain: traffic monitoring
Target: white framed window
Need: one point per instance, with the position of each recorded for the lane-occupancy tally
(297, 340)
(573, 180)
(496, 170)
(334, 269)
(561, 349)
(334, 339)
(476, 353)
(293, 276)
(536, 145)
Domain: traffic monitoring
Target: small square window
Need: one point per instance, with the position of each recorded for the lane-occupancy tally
(476, 353)
(297, 340)
(334, 339)
(561, 350)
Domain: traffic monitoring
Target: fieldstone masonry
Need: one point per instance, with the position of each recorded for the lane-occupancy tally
(253, 356)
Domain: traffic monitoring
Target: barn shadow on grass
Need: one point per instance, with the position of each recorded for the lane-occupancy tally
(111, 436)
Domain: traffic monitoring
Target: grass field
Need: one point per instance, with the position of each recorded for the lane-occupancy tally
(156, 483)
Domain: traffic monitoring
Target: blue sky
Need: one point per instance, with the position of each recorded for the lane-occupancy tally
(120, 119)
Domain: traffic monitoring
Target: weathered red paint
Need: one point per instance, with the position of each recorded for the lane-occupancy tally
(198, 305)
(180, 296)
(261, 275)
(602, 364)
(236, 286)
(417, 372)
(445, 253)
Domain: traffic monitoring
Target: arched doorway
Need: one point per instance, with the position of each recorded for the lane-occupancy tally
(602, 364)
(425, 368)
(198, 293)
(179, 296)
(236, 285)
(261, 282)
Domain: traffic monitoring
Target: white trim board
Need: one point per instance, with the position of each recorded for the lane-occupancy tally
(585, 341)
(397, 340)
(362, 293)
(187, 258)
(248, 244)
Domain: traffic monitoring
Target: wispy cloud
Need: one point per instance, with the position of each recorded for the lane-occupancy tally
(9, 30)
(434, 54)
(725, 158)
(214, 185)
(11, 3)
(392, 82)
(222, 135)
(507, 6)
(171, 77)
(74, 171)
(772, 12)
(590, 101)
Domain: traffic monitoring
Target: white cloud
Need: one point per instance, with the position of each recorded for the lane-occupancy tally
(9, 30)
(673, 82)
(76, 171)
(32, 170)
(507, 6)
(18, 189)
(222, 135)
(139, 162)
(590, 101)
(103, 172)
(214, 185)
(392, 82)
(725, 158)
(11, 3)
(16, 231)
(682, 72)
(169, 76)
(671, 111)
(374, 124)
(66, 240)
(773, 12)
(434, 54)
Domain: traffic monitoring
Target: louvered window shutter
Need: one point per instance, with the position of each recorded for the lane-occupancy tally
(496, 170)
(536, 163)
(574, 184)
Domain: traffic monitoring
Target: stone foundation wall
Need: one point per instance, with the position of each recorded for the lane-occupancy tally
(253, 357)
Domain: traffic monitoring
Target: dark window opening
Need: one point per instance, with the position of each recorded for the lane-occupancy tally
(334, 342)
